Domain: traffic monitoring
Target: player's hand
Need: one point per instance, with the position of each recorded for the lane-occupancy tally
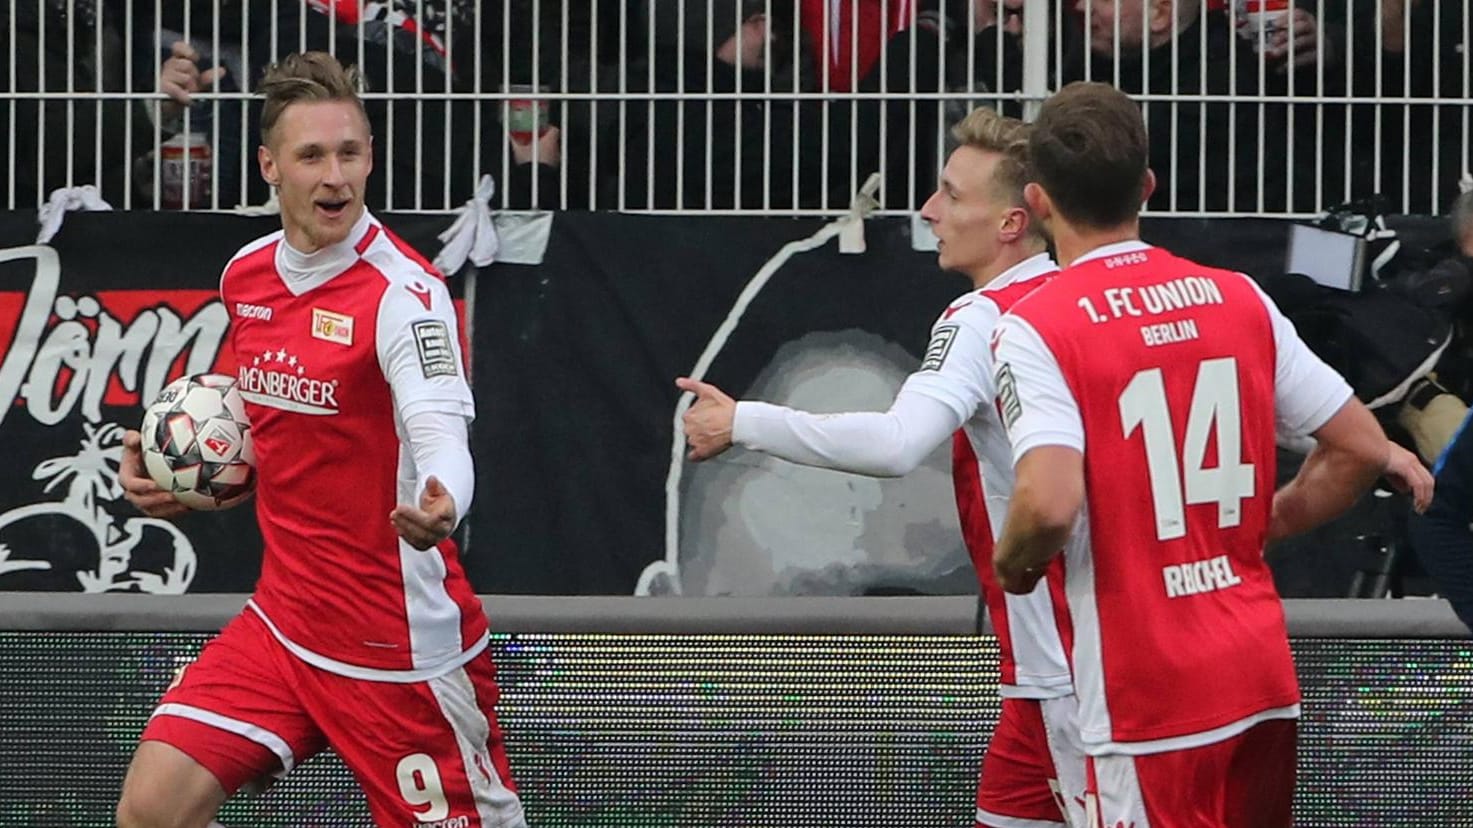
(429, 524)
(1407, 474)
(180, 77)
(708, 422)
(1017, 580)
(140, 490)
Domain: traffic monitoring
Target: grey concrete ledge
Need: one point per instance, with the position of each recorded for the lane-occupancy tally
(948, 616)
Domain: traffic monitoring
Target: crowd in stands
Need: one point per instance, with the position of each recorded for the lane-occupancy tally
(789, 104)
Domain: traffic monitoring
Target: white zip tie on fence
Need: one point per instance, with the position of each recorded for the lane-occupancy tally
(1465, 184)
(472, 235)
(851, 224)
(62, 201)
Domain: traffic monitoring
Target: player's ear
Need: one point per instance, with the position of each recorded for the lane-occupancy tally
(1014, 225)
(268, 166)
(1038, 201)
(1148, 185)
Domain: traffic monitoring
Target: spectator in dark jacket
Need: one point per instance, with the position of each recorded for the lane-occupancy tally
(1205, 155)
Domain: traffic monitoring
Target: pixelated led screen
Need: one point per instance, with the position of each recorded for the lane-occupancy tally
(779, 731)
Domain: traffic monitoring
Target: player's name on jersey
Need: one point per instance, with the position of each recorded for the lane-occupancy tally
(1198, 577)
(1151, 300)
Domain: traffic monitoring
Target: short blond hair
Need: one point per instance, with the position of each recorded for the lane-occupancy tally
(984, 129)
(307, 76)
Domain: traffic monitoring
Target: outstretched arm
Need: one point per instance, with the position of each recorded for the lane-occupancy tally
(876, 443)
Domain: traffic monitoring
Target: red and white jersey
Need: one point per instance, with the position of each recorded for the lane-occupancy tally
(336, 349)
(1168, 376)
(1031, 629)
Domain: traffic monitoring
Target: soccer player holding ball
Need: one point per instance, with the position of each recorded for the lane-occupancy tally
(363, 633)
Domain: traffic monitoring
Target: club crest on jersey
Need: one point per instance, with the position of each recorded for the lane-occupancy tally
(940, 346)
(332, 327)
(436, 357)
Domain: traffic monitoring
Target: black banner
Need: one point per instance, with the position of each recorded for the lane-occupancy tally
(581, 487)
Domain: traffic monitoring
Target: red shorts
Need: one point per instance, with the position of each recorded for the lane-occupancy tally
(1246, 781)
(1022, 785)
(424, 752)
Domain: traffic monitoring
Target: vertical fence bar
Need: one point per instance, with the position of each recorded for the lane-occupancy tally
(768, 30)
(1406, 108)
(1232, 108)
(127, 111)
(450, 106)
(99, 84)
(40, 158)
(1380, 90)
(793, 160)
(563, 107)
(736, 136)
(1202, 106)
(245, 84)
(1467, 86)
(503, 107)
(1320, 90)
(419, 101)
(882, 108)
(827, 53)
(1435, 204)
(1350, 92)
(215, 111)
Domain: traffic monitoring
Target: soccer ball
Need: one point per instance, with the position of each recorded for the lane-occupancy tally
(197, 442)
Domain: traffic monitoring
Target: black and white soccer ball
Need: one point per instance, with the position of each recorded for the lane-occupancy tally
(197, 442)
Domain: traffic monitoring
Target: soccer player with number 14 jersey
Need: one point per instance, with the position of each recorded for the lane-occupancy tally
(1142, 393)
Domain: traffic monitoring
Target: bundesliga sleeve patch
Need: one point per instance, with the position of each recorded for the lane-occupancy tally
(436, 357)
(938, 349)
(1009, 407)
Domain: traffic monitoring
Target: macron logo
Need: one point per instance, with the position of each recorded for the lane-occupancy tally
(245, 311)
(1199, 576)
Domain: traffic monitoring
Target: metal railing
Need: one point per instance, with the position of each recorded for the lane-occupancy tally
(954, 615)
(742, 106)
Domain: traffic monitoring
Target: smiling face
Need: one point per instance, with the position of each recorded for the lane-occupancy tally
(318, 155)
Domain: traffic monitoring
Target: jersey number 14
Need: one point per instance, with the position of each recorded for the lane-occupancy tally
(1215, 405)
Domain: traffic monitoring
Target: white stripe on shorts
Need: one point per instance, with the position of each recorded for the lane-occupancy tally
(992, 820)
(496, 805)
(246, 730)
(1120, 799)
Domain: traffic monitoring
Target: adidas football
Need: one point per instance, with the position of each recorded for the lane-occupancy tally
(197, 442)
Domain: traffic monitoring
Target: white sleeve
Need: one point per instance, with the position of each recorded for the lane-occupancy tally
(1036, 404)
(1307, 392)
(877, 443)
(955, 377)
(440, 444)
(957, 368)
(419, 350)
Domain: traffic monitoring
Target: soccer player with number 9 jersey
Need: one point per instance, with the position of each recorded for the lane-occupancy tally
(363, 634)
